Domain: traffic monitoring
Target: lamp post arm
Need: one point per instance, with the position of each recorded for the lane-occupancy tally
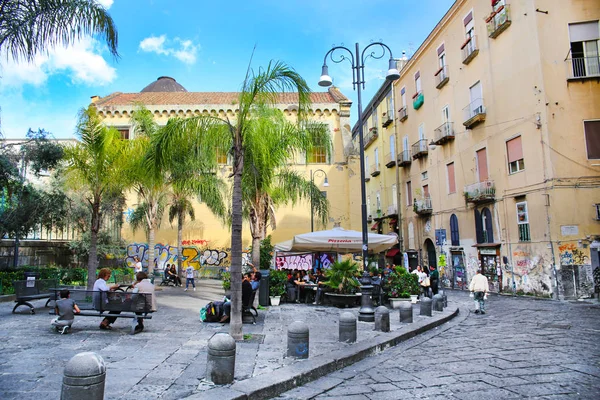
(364, 56)
(342, 57)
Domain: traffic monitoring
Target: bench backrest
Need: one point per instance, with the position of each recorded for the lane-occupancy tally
(34, 287)
(112, 301)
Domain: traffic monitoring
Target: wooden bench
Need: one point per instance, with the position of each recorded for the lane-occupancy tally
(107, 304)
(33, 289)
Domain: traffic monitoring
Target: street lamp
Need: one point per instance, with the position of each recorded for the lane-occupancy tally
(312, 181)
(357, 60)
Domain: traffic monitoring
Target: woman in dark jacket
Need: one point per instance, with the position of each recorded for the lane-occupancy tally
(434, 278)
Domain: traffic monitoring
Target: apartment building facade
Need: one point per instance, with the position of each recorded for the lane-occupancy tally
(206, 236)
(485, 153)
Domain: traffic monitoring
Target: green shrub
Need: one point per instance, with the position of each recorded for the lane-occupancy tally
(226, 280)
(341, 276)
(277, 282)
(401, 284)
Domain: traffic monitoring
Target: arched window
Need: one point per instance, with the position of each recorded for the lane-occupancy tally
(487, 225)
(454, 235)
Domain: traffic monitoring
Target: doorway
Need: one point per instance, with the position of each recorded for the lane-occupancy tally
(431, 256)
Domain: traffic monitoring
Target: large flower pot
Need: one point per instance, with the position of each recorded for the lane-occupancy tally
(342, 300)
(275, 300)
(395, 302)
(413, 298)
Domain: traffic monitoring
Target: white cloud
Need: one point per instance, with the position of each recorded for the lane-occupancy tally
(105, 3)
(183, 50)
(81, 61)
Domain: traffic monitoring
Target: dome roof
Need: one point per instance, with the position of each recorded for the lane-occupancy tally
(164, 84)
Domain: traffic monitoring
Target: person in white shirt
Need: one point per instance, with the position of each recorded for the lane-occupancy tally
(479, 287)
(189, 277)
(137, 267)
(145, 286)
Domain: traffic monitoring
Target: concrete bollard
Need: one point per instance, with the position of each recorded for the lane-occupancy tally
(298, 340)
(406, 312)
(438, 303)
(347, 327)
(426, 307)
(220, 364)
(445, 298)
(382, 319)
(84, 377)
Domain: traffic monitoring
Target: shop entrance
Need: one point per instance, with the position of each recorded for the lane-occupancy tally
(489, 258)
(431, 256)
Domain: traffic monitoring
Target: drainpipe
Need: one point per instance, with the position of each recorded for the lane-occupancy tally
(398, 191)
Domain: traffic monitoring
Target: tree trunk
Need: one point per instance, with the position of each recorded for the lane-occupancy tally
(256, 251)
(16, 250)
(235, 325)
(151, 240)
(179, 241)
(93, 253)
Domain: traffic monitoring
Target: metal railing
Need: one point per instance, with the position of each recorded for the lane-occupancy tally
(444, 132)
(375, 169)
(423, 205)
(390, 159)
(480, 191)
(420, 148)
(476, 107)
(469, 49)
(370, 137)
(402, 114)
(388, 118)
(404, 157)
(583, 67)
(441, 77)
(524, 234)
(499, 21)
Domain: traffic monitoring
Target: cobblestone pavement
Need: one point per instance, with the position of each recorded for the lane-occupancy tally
(522, 348)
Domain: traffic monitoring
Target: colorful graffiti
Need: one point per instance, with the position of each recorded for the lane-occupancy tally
(304, 261)
(190, 256)
(570, 254)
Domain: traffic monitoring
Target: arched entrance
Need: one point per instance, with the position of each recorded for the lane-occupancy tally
(431, 256)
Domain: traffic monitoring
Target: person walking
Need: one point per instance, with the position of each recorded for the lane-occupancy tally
(434, 278)
(479, 287)
(189, 277)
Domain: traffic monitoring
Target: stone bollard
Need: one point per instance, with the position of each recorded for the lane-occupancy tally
(426, 307)
(438, 303)
(298, 340)
(84, 377)
(382, 319)
(347, 327)
(220, 364)
(406, 312)
(445, 298)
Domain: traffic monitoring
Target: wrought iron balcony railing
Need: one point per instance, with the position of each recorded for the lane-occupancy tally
(480, 192)
(474, 113)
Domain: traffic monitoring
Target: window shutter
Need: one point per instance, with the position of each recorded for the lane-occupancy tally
(451, 178)
(489, 226)
(403, 91)
(584, 31)
(454, 234)
(592, 139)
(478, 227)
(468, 18)
(440, 49)
(417, 75)
(514, 149)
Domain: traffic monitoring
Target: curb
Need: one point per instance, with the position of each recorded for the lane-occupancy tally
(291, 376)
(6, 298)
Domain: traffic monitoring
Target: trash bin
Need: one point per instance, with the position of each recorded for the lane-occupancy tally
(263, 299)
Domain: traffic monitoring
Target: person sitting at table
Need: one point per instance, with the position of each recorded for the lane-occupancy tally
(375, 278)
(100, 299)
(297, 284)
(254, 282)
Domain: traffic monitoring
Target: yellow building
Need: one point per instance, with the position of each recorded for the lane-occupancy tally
(493, 130)
(206, 240)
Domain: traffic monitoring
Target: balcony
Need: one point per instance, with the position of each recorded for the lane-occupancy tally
(582, 68)
(402, 114)
(481, 192)
(469, 49)
(474, 114)
(498, 21)
(420, 149)
(388, 118)
(370, 137)
(367, 177)
(444, 133)
(441, 77)
(423, 206)
(404, 158)
(390, 160)
(418, 100)
(375, 170)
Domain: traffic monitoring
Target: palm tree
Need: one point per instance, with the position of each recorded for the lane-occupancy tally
(28, 27)
(95, 166)
(268, 182)
(260, 91)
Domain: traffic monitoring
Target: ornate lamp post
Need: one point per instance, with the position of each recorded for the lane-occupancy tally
(357, 61)
(325, 184)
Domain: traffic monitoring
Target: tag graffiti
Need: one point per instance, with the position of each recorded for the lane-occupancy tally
(571, 255)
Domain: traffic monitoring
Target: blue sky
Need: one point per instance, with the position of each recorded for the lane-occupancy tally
(206, 46)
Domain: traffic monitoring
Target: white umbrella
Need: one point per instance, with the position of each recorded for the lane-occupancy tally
(337, 240)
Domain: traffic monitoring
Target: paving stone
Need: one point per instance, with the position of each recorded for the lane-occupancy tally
(542, 389)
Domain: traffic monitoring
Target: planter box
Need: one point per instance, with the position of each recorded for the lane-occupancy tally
(275, 300)
(342, 300)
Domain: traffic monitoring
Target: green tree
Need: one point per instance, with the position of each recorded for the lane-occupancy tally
(30, 27)
(95, 167)
(260, 92)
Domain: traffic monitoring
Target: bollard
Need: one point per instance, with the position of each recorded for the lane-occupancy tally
(406, 312)
(298, 340)
(220, 364)
(84, 377)
(426, 307)
(382, 319)
(347, 327)
(438, 303)
(445, 298)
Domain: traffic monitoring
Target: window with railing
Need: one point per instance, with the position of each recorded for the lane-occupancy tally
(523, 222)
(584, 59)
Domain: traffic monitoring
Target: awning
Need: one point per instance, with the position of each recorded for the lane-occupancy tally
(392, 252)
(393, 221)
(375, 226)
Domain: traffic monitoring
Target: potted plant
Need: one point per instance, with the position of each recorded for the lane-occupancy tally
(226, 281)
(401, 286)
(277, 282)
(341, 278)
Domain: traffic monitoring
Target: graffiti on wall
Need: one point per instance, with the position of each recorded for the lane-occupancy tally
(570, 254)
(303, 261)
(530, 272)
(190, 256)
